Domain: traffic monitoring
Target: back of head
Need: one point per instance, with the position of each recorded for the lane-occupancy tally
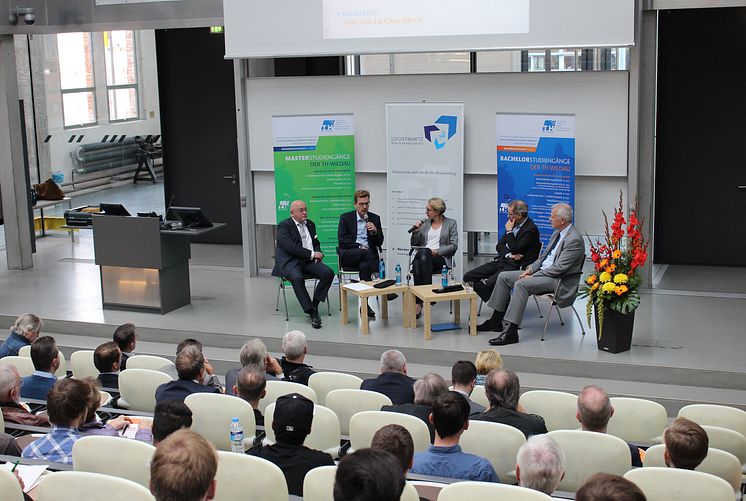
(686, 444)
(396, 440)
(393, 361)
(607, 487)
(487, 360)
(427, 389)
(170, 416)
(27, 325)
(183, 467)
(541, 464)
(369, 475)
(94, 398)
(124, 336)
(43, 353)
(250, 383)
(106, 355)
(294, 344)
(503, 388)
(67, 401)
(463, 373)
(594, 408)
(292, 418)
(188, 342)
(8, 381)
(253, 352)
(450, 414)
(519, 207)
(189, 363)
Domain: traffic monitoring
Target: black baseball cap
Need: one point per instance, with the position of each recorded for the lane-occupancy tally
(293, 414)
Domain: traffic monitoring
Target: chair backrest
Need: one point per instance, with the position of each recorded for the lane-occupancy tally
(480, 396)
(427, 490)
(25, 351)
(9, 486)
(151, 362)
(81, 364)
(346, 403)
(61, 371)
(2, 423)
(89, 486)
(318, 485)
(719, 463)
(716, 415)
(588, 452)
(249, 478)
(665, 484)
(496, 442)
(137, 388)
(558, 408)
(24, 365)
(275, 389)
(324, 382)
(212, 414)
(485, 490)
(115, 456)
(727, 440)
(637, 420)
(364, 425)
(325, 435)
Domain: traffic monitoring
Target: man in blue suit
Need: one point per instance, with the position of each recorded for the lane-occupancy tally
(190, 365)
(46, 358)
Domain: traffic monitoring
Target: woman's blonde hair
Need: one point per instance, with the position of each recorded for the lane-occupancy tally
(487, 360)
(437, 204)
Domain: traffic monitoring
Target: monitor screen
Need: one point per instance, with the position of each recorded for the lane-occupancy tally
(190, 217)
(113, 209)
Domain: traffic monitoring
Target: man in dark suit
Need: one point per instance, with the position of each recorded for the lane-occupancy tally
(299, 253)
(190, 365)
(518, 247)
(393, 381)
(107, 359)
(45, 355)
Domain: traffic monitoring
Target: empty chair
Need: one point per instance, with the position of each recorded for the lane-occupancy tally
(324, 382)
(81, 364)
(364, 425)
(727, 440)
(588, 452)
(89, 486)
(10, 487)
(137, 388)
(716, 415)
(479, 396)
(485, 490)
(324, 436)
(665, 484)
(558, 408)
(719, 463)
(24, 365)
(496, 442)
(212, 414)
(61, 371)
(275, 389)
(347, 403)
(637, 420)
(151, 362)
(248, 478)
(116, 456)
(318, 485)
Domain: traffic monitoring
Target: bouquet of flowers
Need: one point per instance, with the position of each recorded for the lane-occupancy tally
(614, 283)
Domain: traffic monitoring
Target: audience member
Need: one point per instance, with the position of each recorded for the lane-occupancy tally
(67, 406)
(254, 354)
(107, 359)
(295, 348)
(541, 464)
(369, 475)
(595, 411)
(23, 333)
(450, 417)
(9, 446)
(393, 381)
(170, 416)
(10, 400)
(486, 361)
(464, 378)
(190, 366)
(46, 359)
(396, 440)
(607, 487)
(211, 379)
(503, 390)
(292, 423)
(251, 385)
(184, 468)
(126, 338)
(686, 444)
(94, 426)
(426, 390)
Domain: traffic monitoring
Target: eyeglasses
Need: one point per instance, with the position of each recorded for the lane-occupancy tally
(364, 203)
(428, 209)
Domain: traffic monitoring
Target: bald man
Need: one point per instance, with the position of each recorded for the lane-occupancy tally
(299, 254)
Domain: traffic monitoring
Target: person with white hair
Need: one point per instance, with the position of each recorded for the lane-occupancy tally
(541, 464)
(254, 354)
(393, 380)
(426, 390)
(10, 400)
(24, 332)
(295, 349)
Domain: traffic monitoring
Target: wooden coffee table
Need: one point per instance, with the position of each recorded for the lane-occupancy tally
(403, 290)
(425, 292)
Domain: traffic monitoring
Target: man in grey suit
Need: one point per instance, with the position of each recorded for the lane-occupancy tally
(562, 258)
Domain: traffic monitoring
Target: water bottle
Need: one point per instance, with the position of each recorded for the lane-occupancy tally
(236, 432)
(398, 274)
(444, 277)
(381, 269)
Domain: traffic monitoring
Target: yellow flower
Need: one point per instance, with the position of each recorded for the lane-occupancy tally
(608, 287)
(620, 278)
(591, 280)
(616, 254)
(595, 286)
(620, 289)
(605, 276)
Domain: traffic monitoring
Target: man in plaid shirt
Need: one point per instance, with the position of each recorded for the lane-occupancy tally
(67, 405)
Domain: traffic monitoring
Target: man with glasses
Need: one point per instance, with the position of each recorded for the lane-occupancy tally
(360, 235)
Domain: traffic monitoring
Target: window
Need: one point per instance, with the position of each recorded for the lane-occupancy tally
(415, 63)
(121, 75)
(76, 79)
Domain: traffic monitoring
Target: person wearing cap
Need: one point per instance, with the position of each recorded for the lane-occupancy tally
(292, 423)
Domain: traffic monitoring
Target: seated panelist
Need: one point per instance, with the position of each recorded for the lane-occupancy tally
(360, 235)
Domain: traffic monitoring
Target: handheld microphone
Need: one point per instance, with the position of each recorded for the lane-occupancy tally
(365, 218)
(414, 226)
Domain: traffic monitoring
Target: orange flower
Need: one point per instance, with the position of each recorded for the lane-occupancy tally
(620, 289)
(591, 280)
(611, 268)
(595, 286)
(616, 254)
(603, 263)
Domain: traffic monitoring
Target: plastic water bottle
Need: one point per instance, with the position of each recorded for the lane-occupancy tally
(398, 274)
(381, 269)
(236, 432)
(444, 277)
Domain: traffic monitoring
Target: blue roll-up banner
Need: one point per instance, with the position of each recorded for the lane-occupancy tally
(536, 164)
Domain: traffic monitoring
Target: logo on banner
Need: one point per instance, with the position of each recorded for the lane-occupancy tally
(549, 125)
(327, 125)
(441, 131)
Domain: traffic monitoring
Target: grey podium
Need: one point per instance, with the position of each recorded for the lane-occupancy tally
(143, 267)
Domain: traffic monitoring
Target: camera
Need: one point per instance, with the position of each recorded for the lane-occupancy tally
(26, 12)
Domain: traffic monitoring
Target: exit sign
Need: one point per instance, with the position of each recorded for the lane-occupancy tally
(217, 30)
